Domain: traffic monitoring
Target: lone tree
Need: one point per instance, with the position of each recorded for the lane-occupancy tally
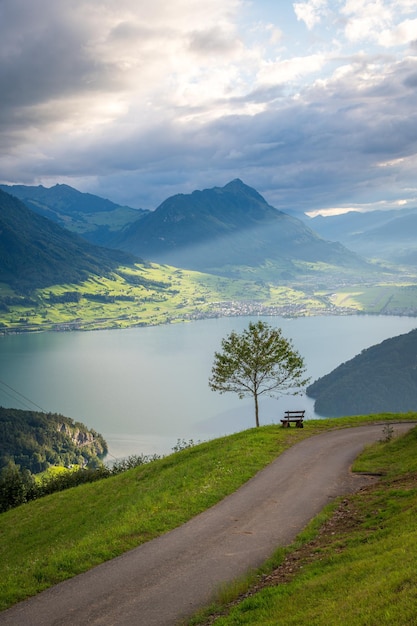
(258, 361)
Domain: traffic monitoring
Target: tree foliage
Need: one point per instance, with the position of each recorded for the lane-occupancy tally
(382, 378)
(34, 440)
(258, 361)
(19, 486)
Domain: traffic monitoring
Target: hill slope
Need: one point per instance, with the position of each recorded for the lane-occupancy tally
(93, 217)
(214, 229)
(35, 440)
(35, 252)
(42, 542)
(381, 378)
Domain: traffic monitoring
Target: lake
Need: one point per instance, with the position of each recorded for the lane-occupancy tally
(144, 388)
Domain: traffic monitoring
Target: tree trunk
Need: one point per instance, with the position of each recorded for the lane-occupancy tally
(256, 409)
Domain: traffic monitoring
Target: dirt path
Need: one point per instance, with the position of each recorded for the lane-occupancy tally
(171, 577)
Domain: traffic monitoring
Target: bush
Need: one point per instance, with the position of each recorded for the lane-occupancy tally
(19, 486)
(16, 487)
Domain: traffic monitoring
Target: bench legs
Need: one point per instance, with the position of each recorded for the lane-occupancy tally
(287, 423)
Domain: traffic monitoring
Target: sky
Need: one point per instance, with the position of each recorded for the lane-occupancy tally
(311, 103)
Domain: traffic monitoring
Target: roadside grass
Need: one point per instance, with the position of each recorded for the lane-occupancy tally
(355, 564)
(56, 537)
(390, 458)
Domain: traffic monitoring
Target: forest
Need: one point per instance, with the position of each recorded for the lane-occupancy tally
(34, 441)
(382, 378)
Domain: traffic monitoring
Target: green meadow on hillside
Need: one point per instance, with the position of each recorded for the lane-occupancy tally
(354, 564)
(151, 294)
(58, 536)
(146, 294)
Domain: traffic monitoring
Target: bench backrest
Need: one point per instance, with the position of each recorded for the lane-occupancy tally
(294, 414)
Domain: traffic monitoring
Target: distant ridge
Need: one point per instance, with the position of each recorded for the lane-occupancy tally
(35, 252)
(382, 378)
(214, 229)
(388, 235)
(95, 218)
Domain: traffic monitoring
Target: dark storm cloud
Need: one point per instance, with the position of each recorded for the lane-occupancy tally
(140, 103)
(317, 151)
(45, 64)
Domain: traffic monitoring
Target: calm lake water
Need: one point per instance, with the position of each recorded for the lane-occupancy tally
(144, 388)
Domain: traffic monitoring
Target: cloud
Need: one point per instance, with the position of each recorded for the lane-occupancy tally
(137, 100)
(214, 41)
(79, 52)
(315, 151)
(378, 20)
(403, 33)
(284, 71)
(310, 12)
(366, 18)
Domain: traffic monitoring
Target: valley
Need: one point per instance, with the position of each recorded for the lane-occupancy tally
(151, 294)
(213, 253)
(113, 303)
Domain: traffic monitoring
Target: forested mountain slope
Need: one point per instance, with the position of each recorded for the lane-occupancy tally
(95, 218)
(383, 378)
(34, 440)
(217, 228)
(36, 252)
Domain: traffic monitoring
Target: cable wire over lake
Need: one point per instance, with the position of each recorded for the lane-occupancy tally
(18, 397)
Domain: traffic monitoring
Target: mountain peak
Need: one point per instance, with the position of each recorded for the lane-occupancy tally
(223, 227)
(235, 183)
(239, 188)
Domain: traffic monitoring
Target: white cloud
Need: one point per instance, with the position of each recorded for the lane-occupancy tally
(286, 70)
(402, 34)
(310, 12)
(383, 205)
(366, 19)
(130, 50)
(275, 34)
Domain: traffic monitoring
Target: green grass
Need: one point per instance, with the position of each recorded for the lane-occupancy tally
(150, 294)
(393, 458)
(381, 299)
(56, 537)
(142, 295)
(145, 294)
(356, 563)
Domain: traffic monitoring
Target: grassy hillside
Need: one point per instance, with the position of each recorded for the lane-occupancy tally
(354, 564)
(61, 535)
(149, 294)
(146, 294)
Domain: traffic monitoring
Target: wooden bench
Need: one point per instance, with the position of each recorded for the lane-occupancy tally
(293, 416)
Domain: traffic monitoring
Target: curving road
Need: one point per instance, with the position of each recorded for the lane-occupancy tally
(171, 577)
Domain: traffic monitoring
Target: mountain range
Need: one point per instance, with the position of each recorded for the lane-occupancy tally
(217, 230)
(95, 218)
(36, 252)
(387, 235)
